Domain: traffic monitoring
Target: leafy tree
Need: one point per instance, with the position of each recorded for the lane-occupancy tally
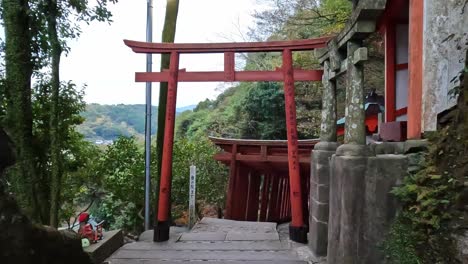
(17, 88)
(36, 32)
(122, 170)
(211, 175)
(300, 19)
(264, 106)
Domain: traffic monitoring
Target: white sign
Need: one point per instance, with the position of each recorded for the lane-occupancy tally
(192, 191)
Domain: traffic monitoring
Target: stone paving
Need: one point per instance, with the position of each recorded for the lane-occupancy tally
(215, 241)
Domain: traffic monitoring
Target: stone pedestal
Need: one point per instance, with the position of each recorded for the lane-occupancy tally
(347, 202)
(319, 196)
(361, 205)
(383, 173)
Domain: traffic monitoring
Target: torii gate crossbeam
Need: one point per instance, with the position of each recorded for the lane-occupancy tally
(286, 74)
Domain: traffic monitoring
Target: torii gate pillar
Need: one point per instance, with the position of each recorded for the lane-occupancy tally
(161, 229)
(297, 229)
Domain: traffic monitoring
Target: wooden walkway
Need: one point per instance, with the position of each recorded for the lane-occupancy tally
(213, 241)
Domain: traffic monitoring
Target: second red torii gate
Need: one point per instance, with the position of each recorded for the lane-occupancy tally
(287, 74)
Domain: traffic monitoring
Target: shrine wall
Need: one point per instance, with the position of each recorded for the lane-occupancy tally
(445, 43)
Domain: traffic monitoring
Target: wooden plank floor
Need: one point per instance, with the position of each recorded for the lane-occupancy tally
(213, 241)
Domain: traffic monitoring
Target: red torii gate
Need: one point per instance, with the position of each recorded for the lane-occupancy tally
(288, 75)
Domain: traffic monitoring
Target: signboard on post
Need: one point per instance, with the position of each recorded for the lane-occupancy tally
(192, 191)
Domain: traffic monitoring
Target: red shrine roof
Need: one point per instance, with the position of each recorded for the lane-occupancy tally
(263, 154)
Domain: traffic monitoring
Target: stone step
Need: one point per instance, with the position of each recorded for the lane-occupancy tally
(155, 261)
(205, 255)
(229, 236)
(204, 245)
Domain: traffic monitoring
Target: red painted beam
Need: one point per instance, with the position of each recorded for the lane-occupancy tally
(271, 46)
(293, 156)
(224, 76)
(225, 157)
(166, 170)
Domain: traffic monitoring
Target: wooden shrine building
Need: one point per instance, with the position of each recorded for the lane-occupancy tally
(258, 188)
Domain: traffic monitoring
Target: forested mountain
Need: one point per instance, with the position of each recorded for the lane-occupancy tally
(107, 122)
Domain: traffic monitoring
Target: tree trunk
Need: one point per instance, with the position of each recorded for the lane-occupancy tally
(168, 35)
(19, 118)
(56, 160)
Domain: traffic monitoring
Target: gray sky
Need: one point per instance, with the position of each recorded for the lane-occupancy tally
(101, 60)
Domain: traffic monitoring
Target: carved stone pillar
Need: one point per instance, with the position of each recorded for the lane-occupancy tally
(320, 168)
(348, 170)
(355, 129)
(328, 126)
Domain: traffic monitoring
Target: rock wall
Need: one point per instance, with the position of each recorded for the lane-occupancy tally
(445, 44)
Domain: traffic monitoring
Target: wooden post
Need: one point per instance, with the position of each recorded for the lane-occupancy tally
(240, 197)
(232, 182)
(161, 230)
(297, 229)
(265, 197)
(192, 196)
(229, 67)
(254, 191)
(273, 203)
(284, 187)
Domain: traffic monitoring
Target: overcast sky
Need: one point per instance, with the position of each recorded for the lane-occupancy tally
(100, 59)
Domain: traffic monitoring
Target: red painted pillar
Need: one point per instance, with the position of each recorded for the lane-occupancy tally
(161, 230)
(232, 183)
(265, 197)
(240, 197)
(415, 67)
(272, 208)
(297, 229)
(390, 61)
(254, 191)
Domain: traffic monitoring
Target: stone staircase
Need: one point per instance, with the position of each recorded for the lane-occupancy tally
(212, 241)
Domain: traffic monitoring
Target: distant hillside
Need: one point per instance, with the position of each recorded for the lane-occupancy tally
(107, 122)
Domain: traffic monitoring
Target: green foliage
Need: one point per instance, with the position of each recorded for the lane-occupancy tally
(211, 175)
(429, 195)
(400, 247)
(122, 170)
(111, 121)
(264, 110)
(108, 122)
(299, 19)
(424, 229)
(252, 111)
